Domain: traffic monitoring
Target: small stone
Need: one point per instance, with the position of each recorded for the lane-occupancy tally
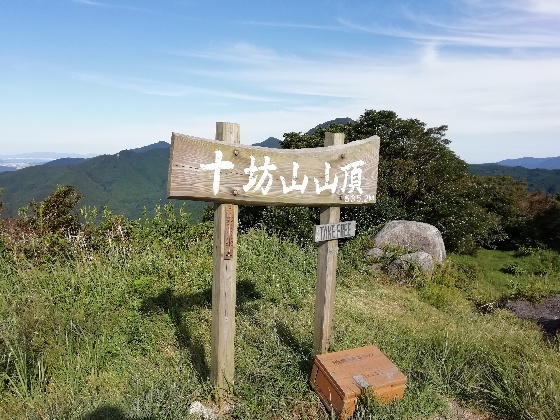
(423, 260)
(377, 268)
(376, 253)
(206, 413)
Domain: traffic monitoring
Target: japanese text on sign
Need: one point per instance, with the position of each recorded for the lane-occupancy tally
(260, 177)
(208, 170)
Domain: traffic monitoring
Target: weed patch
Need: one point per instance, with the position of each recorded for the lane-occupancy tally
(126, 332)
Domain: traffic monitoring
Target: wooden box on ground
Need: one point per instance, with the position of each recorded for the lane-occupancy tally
(338, 378)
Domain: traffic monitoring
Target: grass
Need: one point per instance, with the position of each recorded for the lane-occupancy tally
(125, 333)
(492, 276)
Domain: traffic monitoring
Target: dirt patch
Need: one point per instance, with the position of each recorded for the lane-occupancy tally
(457, 412)
(545, 313)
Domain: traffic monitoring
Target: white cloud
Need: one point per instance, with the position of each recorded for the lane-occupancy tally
(108, 5)
(159, 88)
(473, 23)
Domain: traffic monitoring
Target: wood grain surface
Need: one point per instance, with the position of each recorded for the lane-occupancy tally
(244, 180)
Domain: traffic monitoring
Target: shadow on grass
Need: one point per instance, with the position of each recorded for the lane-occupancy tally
(109, 412)
(550, 326)
(176, 305)
(303, 349)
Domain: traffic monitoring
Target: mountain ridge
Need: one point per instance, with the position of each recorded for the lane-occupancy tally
(533, 163)
(134, 179)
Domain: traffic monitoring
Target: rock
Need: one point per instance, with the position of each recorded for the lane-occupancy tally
(376, 253)
(377, 268)
(413, 236)
(206, 413)
(421, 259)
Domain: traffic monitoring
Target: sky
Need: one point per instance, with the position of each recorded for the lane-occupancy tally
(100, 76)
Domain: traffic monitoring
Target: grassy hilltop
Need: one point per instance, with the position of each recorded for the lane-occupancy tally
(115, 323)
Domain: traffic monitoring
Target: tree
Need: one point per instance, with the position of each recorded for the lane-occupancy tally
(538, 224)
(420, 179)
(55, 214)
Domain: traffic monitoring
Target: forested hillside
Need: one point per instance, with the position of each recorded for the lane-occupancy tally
(544, 180)
(533, 163)
(126, 182)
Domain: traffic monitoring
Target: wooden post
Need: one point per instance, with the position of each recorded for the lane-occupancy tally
(326, 271)
(224, 277)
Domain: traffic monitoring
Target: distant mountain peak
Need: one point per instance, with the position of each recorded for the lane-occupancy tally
(159, 145)
(271, 142)
(341, 121)
(533, 163)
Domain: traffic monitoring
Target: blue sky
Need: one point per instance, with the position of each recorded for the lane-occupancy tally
(99, 76)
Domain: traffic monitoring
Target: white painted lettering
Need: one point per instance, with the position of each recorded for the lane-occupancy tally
(353, 177)
(217, 166)
(286, 189)
(265, 168)
(327, 186)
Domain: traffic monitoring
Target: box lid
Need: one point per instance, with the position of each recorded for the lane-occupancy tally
(366, 367)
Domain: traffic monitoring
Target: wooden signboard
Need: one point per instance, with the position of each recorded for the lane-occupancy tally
(334, 231)
(227, 173)
(211, 170)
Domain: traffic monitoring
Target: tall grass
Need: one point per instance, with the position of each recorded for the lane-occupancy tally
(125, 333)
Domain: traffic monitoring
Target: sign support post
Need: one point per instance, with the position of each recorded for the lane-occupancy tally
(229, 174)
(224, 277)
(326, 271)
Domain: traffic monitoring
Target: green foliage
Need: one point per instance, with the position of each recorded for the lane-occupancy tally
(55, 232)
(124, 330)
(55, 214)
(546, 181)
(290, 223)
(171, 228)
(421, 179)
(538, 225)
(46, 234)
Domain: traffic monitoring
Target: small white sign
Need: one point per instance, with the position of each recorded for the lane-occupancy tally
(334, 231)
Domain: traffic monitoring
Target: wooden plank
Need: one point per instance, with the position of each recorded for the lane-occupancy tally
(223, 284)
(334, 231)
(340, 175)
(327, 254)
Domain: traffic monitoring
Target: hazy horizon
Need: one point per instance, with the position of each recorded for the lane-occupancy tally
(41, 155)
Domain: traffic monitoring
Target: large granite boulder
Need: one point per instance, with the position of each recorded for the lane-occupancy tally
(413, 236)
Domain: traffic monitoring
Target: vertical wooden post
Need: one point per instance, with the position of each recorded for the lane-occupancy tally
(224, 277)
(326, 271)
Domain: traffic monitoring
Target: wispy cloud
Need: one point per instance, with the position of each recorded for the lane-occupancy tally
(530, 24)
(94, 3)
(158, 88)
(491, 90)
(334, 28)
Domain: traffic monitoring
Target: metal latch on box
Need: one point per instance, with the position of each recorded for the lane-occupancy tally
(362, 383)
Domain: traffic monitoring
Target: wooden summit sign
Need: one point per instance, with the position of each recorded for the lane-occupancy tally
(227, 173)
(215, 171)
